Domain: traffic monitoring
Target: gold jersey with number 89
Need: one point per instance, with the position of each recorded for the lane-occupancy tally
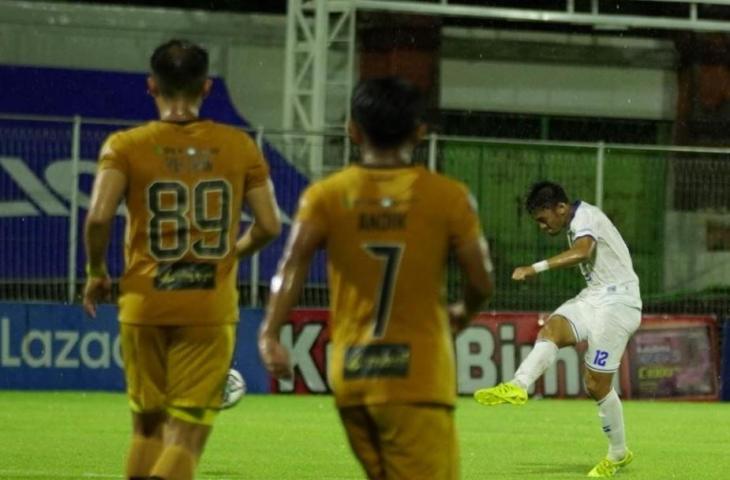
(185, 189)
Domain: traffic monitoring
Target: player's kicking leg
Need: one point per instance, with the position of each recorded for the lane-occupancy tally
(557, 332)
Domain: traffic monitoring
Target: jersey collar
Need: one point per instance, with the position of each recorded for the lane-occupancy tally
(573, 208)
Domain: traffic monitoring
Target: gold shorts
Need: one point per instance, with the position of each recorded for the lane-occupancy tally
(404, 441)
(179, 369)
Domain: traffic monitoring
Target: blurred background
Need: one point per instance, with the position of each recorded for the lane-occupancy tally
(626, 103)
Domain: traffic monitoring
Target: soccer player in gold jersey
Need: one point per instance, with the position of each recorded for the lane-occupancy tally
(184, 180)
(388, 227)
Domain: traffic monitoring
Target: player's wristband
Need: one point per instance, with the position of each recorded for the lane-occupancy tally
(96, 272)
(541, 266)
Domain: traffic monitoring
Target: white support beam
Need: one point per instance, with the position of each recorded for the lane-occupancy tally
(317, 86)
(699, 2)
(319, 71)
(593, 18)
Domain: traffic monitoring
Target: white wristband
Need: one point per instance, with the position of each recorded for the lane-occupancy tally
(541, 266)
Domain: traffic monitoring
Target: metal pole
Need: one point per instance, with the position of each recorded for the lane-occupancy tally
(350, 77)
(348, 150)
(73, 217)
(319, 87)
(600, 168)
(432, 139)
(293, 7)
(255, 267)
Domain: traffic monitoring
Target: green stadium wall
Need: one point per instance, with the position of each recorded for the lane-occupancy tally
(499, 176)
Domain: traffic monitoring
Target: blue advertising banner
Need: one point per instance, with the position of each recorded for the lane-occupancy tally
(57, 347)
(36, 174)
(31, 90)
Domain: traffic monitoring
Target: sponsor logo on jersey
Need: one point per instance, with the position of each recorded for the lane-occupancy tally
(185, 276)
(380, 360)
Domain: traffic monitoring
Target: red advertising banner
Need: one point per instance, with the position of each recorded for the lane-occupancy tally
(494, 345)
(669, 357)
(307, 338)
(675, 357)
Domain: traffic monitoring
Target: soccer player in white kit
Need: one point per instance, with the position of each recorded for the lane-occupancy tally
(605, 313)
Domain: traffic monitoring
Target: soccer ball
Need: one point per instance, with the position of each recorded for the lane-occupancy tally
(234, 389)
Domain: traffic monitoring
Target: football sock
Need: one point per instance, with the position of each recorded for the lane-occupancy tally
(611, 413)
(143, 453)
(540, 358)
(175, 463)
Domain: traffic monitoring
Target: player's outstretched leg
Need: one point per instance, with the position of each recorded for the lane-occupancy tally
(502, 393)
(608, 467)
(515, 392)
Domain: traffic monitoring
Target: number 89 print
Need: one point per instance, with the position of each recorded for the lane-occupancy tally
(174, 212)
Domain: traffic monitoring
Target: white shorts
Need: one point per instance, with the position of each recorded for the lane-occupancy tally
(607, 328)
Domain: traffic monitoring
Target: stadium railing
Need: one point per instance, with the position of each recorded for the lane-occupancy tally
(670, 203)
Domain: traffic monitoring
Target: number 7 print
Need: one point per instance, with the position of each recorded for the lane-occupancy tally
(391, 254)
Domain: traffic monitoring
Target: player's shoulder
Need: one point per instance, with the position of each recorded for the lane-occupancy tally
(230, 130)
(135, 135)
(589, 210)
(443, 186)
(335, 184)
(239, 139)
(588, 214)
(156, 127)
(124, 140)
(129, 135)
(444, 181)
(350, 176)
(332, 182)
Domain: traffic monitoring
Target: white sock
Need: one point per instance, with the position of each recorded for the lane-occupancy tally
(540, 359)
(611, 413)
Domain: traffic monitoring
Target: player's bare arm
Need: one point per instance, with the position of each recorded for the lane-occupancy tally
(286, 285)
(581, 251)
(476, 268)
(266, 224)
(107, 193)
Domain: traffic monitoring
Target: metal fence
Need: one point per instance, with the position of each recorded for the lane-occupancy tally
(672, 205)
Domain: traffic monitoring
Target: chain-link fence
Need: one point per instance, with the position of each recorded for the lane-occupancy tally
(671, 204)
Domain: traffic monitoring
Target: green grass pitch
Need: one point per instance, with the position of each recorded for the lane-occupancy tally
(84, 435)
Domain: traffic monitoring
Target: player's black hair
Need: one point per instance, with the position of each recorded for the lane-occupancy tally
(388, 109)
(180, 67)
(544, 195)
